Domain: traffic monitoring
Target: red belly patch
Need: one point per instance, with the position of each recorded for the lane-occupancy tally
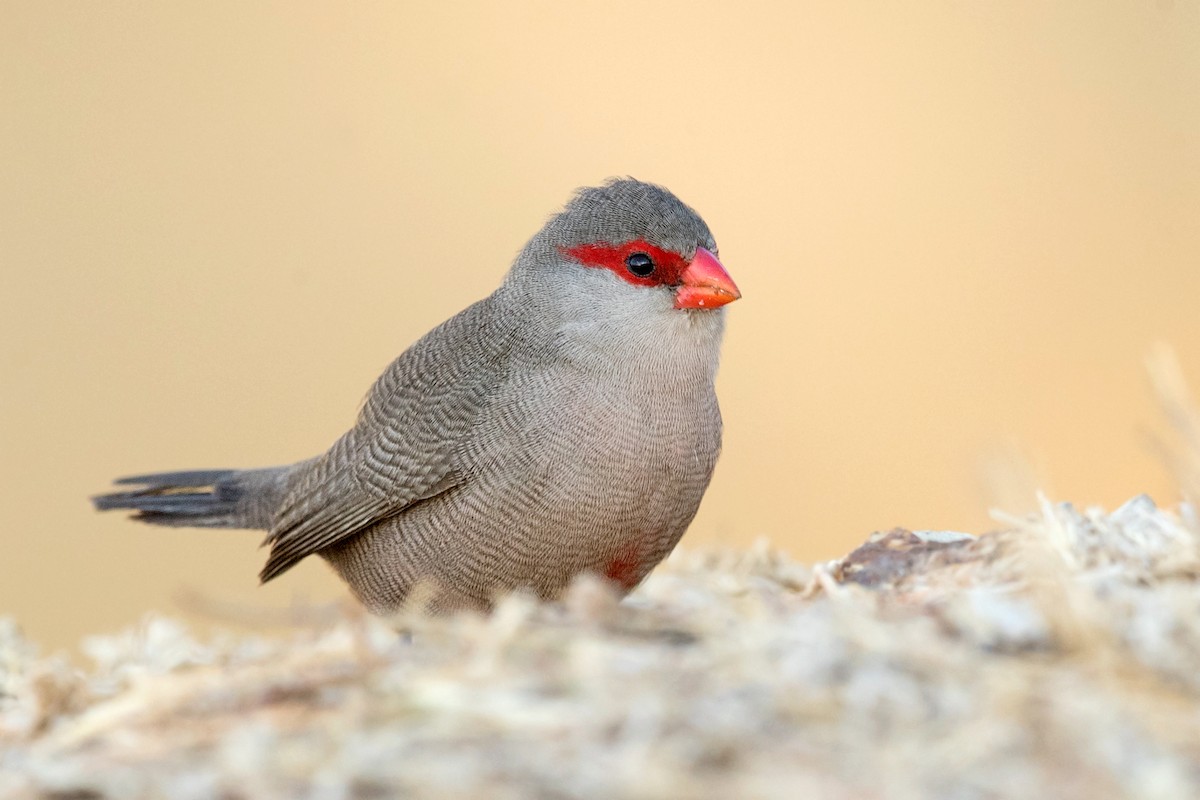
(625, 569)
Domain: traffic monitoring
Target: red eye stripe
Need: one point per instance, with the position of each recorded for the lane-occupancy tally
(668, 266)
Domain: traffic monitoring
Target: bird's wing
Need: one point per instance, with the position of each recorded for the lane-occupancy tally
(402, 449)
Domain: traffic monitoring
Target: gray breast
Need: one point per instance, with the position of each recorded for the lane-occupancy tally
(564, 473)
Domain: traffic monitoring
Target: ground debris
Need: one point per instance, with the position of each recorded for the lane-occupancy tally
(1059, 657)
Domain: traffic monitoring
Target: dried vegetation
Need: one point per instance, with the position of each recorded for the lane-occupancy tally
(1059, 657)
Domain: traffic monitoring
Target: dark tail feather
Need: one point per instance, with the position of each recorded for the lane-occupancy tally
(191, 477)
(171, 498)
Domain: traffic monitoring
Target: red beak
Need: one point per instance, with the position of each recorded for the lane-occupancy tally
(706, 284)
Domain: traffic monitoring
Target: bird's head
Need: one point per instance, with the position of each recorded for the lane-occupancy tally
(629, 246)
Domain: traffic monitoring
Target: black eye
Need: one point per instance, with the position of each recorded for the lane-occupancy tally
(640, 264)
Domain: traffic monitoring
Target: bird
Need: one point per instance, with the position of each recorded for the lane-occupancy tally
(565, 424)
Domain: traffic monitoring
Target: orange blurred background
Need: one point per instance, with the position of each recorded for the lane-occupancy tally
(958, 227)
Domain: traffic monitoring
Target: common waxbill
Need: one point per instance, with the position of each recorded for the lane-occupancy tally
(567, 423)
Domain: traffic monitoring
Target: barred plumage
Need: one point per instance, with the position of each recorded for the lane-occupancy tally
(566, 423)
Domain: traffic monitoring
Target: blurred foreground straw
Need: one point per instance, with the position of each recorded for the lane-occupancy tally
(1059, 657)
(1182, 448)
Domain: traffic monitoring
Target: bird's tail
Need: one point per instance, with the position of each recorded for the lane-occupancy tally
(211, 498)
